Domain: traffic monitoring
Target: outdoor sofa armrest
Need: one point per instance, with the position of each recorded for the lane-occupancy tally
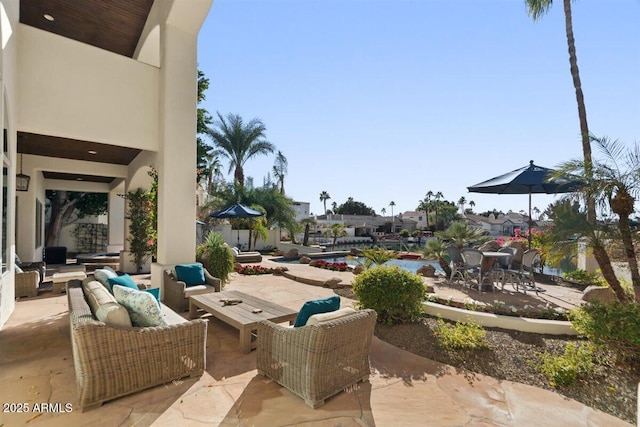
(26, 283)
(115, 361)
(212, 281)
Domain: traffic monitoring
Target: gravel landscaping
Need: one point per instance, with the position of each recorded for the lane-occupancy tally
(513, 356)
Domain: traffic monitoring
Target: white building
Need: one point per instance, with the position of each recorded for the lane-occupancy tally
(93, 97)
(301, 209)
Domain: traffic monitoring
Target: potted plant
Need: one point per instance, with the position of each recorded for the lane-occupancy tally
(140, 239)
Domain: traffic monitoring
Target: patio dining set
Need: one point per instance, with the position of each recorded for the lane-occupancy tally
(478, 269)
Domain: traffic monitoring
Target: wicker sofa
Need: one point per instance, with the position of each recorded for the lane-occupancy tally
(317, 361)
(176, 293)
(114, 361)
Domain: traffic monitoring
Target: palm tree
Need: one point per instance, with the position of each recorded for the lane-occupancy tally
(280, 169)
(460, 234)
(213, 171)
(461, 202)
(436, 204)
(536, 9)
(437, 249)
(472, 204)
(239, 142)
(383, 211)
(336, 230)
(324, 196)
(536, 211)
(425, 205)
(307, 223)
(392, 204)
(615, 183)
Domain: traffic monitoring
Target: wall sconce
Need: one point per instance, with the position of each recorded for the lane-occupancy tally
(22, 180)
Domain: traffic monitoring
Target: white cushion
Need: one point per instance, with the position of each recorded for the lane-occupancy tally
(104, 305)
(332, 315)
(197, 290)
(102, 275)
(142, 306)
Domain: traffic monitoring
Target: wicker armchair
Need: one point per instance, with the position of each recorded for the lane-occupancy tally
(317, 361)
(27, 283)
(176, 293)
(39, 266)
(113, 361)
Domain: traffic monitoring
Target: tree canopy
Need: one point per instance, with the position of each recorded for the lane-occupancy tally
(352, 207)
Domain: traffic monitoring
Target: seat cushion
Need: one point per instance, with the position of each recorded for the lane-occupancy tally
(190, 274)
(332, 315)
(104, 305)
(124, 280)
(143, 308)
(197, 290)
(310, 308)
(102, 275)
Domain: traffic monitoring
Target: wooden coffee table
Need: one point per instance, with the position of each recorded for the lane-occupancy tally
(243, 316)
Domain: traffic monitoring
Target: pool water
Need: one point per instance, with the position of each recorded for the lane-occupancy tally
(406, 264)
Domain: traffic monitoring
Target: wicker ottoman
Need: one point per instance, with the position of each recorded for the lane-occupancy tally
(60, 279)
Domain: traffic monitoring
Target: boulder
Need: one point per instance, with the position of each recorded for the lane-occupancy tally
(312, 263)
(291, 253)
(279, 270)
(426, 271)
(520, 248)
(332, 283)
(598, 293)
(278, 252)
(305, 259)
(429, 289)
(358, 269)
(490, 246)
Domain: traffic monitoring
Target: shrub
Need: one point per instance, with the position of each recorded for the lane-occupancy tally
(395, 294)
(613, 324)
(461, 336)
(564, 369)
(216, 256)
(586, 278)
(253, 270)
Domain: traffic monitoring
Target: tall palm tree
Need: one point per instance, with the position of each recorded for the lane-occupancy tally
(239, 142)
(334, 206)
(536, 9)
(392, 204)
(437, 196)
(324, 196)
(307, 223)
(280, 169)
(425, 205)
(212, 171)
(461, 202)
(472, 204)
(383, 211)
(616, 184)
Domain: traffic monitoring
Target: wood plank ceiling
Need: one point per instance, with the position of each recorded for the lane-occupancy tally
(113, 25)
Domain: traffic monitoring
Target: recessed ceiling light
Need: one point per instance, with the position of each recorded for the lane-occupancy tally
(49, 17)
(92, 152)
(78, 179)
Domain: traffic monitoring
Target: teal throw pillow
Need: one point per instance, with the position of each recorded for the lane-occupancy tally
(124, 280)
(190, 274)
(317, 306)
(155, 292)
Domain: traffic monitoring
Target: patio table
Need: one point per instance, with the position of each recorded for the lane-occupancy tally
(244, 315)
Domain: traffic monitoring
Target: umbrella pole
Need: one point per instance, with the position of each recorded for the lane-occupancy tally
(530, 221)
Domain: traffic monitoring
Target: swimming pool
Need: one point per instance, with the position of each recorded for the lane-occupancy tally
(406, 264)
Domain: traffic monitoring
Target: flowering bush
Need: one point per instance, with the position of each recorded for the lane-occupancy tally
(335, 266)
(252, 270)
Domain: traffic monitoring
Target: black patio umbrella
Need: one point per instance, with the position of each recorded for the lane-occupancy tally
(236, 211)
(527, 180)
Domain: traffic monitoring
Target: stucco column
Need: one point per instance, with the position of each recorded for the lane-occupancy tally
(176, 159)
(116, 219)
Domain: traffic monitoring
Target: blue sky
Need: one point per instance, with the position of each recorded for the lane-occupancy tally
(385, 100)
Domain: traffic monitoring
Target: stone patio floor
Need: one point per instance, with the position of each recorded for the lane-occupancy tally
(36, 366)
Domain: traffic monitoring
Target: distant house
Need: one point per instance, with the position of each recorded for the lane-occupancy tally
(503, 225)
(420, 218)
(301, 209)
(364, 225)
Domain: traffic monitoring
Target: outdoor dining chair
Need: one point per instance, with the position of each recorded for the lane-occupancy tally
(457, 263)
(473, 268)
(525, 276)
(502, 270)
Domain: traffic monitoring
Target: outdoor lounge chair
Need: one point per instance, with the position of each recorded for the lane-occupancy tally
(27, 283)
(176, 293)
(245, 257)
(317, 361)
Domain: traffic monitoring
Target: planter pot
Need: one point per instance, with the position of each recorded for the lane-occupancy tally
(128, 264)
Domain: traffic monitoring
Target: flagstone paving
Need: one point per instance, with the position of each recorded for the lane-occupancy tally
(36, 366)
